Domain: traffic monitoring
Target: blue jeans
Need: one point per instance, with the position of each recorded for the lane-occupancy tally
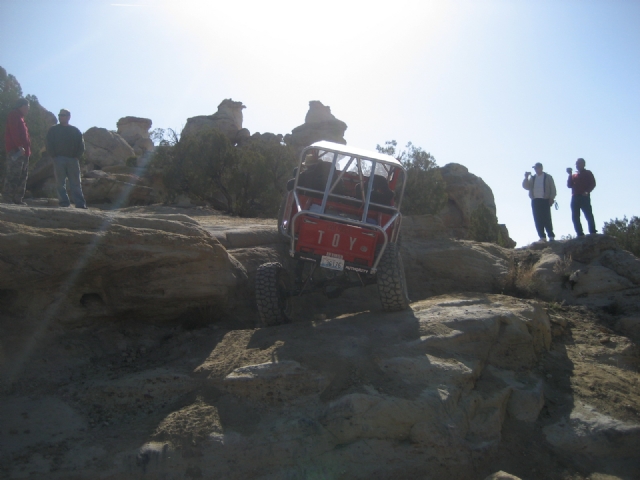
(66, 167)
(582, 202)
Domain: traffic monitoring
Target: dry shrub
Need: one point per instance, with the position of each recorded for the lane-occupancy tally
(520, 280)
(563, 269)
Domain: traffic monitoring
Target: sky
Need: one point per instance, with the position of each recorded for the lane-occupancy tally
(494, 85)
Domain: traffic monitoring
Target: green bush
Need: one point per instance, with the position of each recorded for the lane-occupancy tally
(425, 190)
(626, 231)
(483, 226)
(246, 181)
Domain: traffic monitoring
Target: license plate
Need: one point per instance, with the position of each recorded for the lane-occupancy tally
(332, 263)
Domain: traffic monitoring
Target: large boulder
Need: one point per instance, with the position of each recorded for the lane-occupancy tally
(466, 193)
(135, 131)
(319, 124)
(105, 148)
(586, 270)
(228, 120)
(73, 264)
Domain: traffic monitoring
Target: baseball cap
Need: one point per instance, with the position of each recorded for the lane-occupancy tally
(538, 164)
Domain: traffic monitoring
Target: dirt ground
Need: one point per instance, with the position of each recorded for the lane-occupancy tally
(67, 413)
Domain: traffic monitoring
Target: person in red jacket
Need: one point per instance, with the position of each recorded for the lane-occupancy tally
(581, 184)
(18, 147)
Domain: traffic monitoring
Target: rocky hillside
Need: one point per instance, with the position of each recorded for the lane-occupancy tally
(129, 348)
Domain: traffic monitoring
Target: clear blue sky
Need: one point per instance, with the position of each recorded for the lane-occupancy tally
(495, 85)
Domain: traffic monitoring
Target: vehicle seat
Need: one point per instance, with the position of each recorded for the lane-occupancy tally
(381, 193)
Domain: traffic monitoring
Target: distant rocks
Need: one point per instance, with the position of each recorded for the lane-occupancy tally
(135, 131)
(228, 120)
(319, 124)
(105, 148)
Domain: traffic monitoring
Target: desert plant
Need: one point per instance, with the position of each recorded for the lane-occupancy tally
(483, 226)
(562, 267)
(246, 181)
(425, 189)
(627, 232)
(520, 280)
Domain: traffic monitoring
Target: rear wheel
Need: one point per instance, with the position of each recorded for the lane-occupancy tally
(392, 285)
(273, 295)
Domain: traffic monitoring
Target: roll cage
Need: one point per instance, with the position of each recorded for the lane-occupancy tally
(354, 179)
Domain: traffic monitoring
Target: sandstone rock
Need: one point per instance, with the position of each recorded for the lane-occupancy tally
(107, 189)
(319, 124)
(589, 432)
(228, 120)
(596, 279)
(54, 418)
(630, 326)
(466, 192)
(423, 227)
(105, 148)
(588, 248)
(40, 172)
(275, 382)
(107, 264)
(527, 394)
(502, 476)
(623, 263)
(135, 131)
(440, 266)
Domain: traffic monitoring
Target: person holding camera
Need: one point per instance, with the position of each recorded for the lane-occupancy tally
(581, 184)
(542, 191)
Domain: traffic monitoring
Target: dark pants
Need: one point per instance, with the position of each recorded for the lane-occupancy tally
(15, 180)
(68, 168)
(582, 202)
(542, 216)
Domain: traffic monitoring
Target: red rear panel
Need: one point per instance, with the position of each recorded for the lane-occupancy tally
(354, 244)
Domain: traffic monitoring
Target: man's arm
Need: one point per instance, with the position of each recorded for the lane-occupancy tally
(591, 184)
(570, 181)
(80, 145)
(50, 143)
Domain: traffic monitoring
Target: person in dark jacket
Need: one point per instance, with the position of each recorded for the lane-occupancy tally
(581, 184)
(65, 145)
(18, 147)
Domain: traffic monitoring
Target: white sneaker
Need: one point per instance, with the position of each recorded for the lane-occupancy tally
(552, 239)
(542, 240)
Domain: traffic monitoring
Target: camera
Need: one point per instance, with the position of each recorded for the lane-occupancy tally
(569, 170)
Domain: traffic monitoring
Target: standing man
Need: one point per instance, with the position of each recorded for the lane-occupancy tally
(581, 184)
(542, 191)
(18, 146)
(65, 145)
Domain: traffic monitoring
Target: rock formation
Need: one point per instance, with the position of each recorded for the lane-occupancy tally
(319, 124)
(228, 120)
(84, 264)
(135, 131)
(448, 389)
(466, 193)
(587, 270)
(104, 148)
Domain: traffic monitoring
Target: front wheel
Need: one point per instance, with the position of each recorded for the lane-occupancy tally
(273, 295)
(392, 285)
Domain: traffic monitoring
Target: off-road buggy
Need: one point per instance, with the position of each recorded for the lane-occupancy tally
(341, 217)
